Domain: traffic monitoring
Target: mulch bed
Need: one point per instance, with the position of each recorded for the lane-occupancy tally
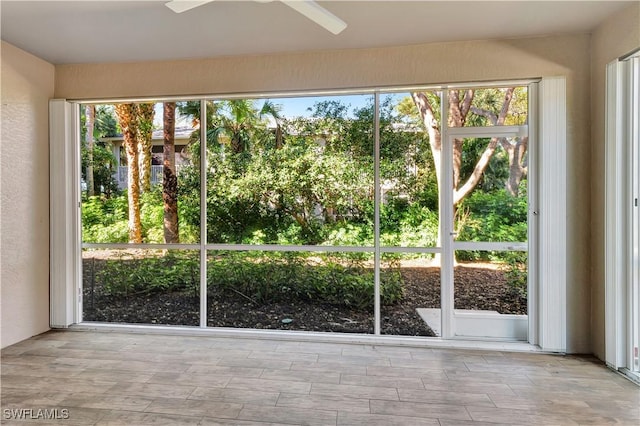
(476, 287)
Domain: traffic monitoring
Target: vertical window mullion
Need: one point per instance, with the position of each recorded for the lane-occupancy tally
(446, 221)
(376, 220)
(203, 213)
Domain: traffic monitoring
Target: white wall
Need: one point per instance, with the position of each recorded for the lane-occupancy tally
(567, 56)
(616, 36)
(27, 85)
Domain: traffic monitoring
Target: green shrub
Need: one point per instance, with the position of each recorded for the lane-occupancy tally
(408, 225)
(286, 277)
(105, 220)
(133, 275)
(493, 216)
(515, 268)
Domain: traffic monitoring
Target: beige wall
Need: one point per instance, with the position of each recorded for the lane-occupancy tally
(27, 86)
(419, 64)
(618, 35)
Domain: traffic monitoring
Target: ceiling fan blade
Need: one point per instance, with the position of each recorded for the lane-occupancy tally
(317, 14)
(179, 6)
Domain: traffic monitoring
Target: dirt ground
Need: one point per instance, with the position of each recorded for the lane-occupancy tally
(477, 286)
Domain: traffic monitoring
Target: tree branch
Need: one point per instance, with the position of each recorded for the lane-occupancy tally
(479, 169)
(497, 120)
(466, 103)
(485, 113)
(508, 95)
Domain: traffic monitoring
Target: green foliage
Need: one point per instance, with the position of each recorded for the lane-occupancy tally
(516, 271)
(132, 275)
(496, 216)
(103, 168)
(286, 277)
(313, 184)
(409, 225)
(105, 125)
(105, 220)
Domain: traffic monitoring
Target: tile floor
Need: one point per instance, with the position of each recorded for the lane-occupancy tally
(112, 378)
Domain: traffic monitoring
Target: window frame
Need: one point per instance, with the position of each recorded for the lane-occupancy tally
(547, 315)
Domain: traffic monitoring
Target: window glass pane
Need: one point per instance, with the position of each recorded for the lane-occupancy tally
(291, 171)
(158, 199)
(291, 291)
(416, 312)
(490, 205)
(480, 107)
(141, 286)
(408, 173)
(494, 281)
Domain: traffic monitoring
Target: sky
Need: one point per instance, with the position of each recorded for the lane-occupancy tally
(297, 106)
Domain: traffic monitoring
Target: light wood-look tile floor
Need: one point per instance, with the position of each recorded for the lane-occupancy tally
(108, 378)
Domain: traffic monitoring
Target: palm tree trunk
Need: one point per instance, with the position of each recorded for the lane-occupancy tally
(169, 177)
(144, 133)
(128, 123)
(90, 114)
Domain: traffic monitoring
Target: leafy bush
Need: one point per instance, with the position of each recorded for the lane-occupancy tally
(516, 271)
(257, 277)
(349, 234)
(409, 225)
(132, 275)
(493, 216)
(286, 277)
(105, 220)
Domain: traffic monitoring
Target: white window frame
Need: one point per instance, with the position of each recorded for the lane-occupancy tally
(547, 300)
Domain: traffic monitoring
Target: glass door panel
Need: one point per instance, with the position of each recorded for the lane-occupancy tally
(489, 236)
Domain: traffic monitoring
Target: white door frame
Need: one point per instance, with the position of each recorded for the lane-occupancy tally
(475, 324)
(547, 240)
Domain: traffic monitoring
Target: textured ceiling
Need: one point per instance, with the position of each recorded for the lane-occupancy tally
(123, 31)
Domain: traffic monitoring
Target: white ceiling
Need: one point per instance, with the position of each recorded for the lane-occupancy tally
(123, 31)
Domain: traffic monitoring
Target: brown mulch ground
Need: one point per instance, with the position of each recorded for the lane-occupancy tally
(482, 288)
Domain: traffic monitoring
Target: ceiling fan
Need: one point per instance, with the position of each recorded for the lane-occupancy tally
(308, 8)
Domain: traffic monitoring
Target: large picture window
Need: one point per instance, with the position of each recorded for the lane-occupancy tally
(323, 213)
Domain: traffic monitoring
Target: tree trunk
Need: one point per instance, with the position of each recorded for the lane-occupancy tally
(458, 111)
(279, 136)
(517, 168)
(237, 146)
(169, 177)
(432, 126)
(128, 123)
(145, 130)
(90, 114)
